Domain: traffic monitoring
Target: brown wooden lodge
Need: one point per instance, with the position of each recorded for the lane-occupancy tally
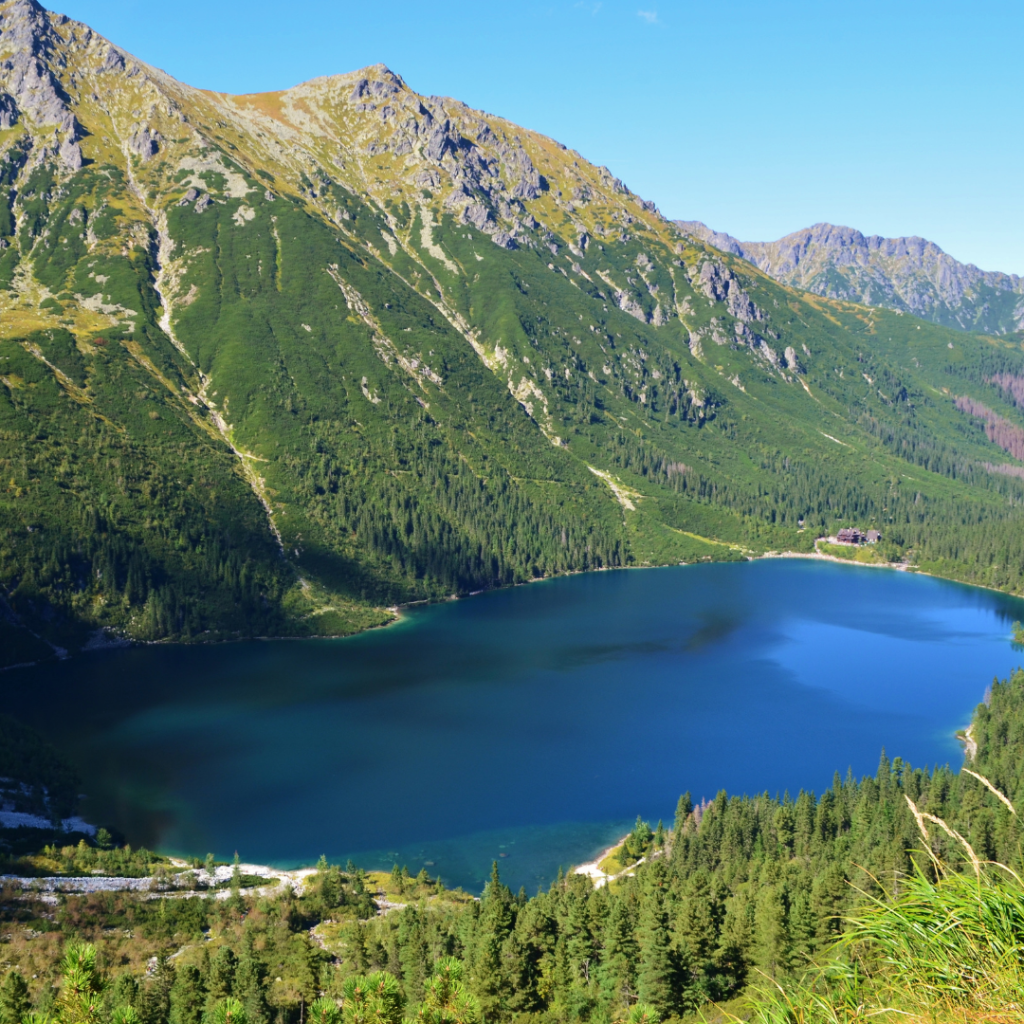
(851, 535)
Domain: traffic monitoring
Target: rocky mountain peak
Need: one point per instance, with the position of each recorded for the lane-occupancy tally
(25, 27)
(28, 50)
(910, 274)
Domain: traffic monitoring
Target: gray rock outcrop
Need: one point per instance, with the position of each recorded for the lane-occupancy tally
(26, 42)
(143, 142)
(719, 284)
(8, 111)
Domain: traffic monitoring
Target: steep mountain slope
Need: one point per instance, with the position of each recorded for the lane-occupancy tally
(275, 363)
(908, 274)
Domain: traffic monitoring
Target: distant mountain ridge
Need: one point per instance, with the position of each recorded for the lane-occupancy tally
(912, 274)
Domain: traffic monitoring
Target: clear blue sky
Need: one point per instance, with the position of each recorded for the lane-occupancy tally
(898, 118)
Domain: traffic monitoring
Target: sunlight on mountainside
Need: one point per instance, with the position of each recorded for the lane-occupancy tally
(293, 359)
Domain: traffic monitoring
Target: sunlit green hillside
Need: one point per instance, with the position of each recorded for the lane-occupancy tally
(274, 364)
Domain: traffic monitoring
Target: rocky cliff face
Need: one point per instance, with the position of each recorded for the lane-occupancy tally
(912, 275)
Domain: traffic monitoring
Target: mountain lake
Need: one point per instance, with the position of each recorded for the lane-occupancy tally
(529, 725)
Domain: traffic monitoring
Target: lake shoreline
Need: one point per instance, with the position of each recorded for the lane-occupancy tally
(115, 641)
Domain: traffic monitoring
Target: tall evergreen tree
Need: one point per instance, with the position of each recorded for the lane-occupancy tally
(14, 998)
(154, 1006)
(618, 958)
(494, 925)
(249, 981)
(221, 980)
(188, 996)
(771, 931)
(657, 977)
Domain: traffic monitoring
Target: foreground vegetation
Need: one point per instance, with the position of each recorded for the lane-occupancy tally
(946, 950)
(824, 907)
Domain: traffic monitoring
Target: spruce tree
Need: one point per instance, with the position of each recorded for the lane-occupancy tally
(579, 943)
(683, 810)
(221, 981)
(413, 954)
(771, 932)
(123, 993)
(14, 999)
(357, 949)
(188, 996)
(700, 916)
(618, 962)
(249, 977)
(657, 979)
(494, 925)
(154, 1004)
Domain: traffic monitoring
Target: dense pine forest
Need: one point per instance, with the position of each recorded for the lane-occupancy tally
(736, 890)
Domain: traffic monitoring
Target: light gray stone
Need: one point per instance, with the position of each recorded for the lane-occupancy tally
(8, 111)
(70, 154)
(143, 142)
(478, 215)
(112, 60)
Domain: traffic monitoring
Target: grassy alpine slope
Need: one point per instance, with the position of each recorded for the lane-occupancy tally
(273, 364)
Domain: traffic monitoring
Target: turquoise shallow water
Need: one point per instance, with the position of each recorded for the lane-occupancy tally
(529, 725)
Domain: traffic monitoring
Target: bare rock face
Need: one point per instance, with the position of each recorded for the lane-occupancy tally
(8, 111)
(439, 142)
(478, 215)
(113, 61)
(143, 142)
(712, 281)
(520, 168)
(628, 304)
(719, 284)
(70, 154)
(29, 87)
(26, 36)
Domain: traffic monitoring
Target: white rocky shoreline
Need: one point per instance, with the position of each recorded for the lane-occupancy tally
(182, 882)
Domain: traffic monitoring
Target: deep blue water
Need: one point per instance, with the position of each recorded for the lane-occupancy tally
(530, 724)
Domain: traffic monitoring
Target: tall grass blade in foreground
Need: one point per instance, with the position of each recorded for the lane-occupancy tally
(949, 949)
